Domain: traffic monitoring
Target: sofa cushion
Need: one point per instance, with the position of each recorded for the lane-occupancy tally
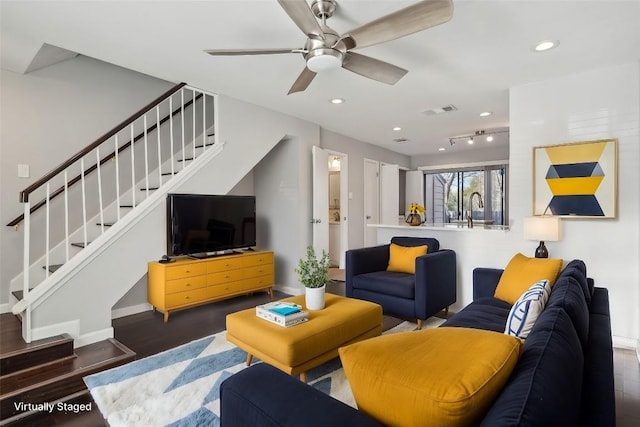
(448, 376)
(578, 270)
(567, 294)
(484, 313)
(521, 272)
(402, 259)
(386, 282)
(545, 387)
(526, 310)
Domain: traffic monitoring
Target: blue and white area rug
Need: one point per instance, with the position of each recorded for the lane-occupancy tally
(180, 387)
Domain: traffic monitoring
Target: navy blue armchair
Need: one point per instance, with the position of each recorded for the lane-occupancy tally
(417, 296)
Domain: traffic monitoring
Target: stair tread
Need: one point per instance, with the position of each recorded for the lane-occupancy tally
(186, 159)
(52, 267)
(106, 224)
(65, 378)
(11, 337)
(208, 144)
(80, 244)
(127, 206)
(150, 188)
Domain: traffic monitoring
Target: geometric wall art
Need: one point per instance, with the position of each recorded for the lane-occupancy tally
(576, 180)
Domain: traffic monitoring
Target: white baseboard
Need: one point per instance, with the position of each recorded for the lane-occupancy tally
(71, 327)
(92, 337)
(291, 290)
(4, 308)
(128, 311)
(626, 343)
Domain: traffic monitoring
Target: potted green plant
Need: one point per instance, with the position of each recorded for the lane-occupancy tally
(313, 273)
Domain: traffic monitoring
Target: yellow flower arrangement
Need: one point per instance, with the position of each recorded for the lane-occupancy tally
(416, 208)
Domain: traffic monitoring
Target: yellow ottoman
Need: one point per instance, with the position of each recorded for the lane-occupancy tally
(299, 348)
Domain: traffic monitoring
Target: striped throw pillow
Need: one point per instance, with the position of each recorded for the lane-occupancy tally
(526, 309)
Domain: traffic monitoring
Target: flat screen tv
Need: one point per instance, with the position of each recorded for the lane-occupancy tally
(205, 225)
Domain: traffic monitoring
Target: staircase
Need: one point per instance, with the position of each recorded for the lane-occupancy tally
(91, 225)
(47, 370)
(100, 193)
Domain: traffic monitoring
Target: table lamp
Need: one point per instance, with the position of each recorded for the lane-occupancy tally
(542, 228)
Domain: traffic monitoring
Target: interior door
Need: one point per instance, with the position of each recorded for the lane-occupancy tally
(389, 193)
(344, 208)
(371, 201)
(320, 199)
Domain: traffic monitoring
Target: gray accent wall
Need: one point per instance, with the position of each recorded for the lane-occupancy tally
(47, 116)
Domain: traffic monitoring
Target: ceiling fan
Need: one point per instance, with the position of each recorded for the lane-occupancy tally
(325, 49)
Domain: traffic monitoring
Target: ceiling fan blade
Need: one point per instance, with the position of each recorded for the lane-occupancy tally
(235, 52)
(303, 81)
(373, 68)
(411, 19)
(300, 12)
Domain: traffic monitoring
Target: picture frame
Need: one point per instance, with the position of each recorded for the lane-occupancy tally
(576, 180)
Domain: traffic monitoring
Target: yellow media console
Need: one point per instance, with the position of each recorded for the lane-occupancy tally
(189, 282)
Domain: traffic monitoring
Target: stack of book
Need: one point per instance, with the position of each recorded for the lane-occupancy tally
(282, 313)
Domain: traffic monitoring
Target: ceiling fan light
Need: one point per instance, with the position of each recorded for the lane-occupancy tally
(324, 61)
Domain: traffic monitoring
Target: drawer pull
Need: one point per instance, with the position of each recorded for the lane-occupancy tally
(187, 284)
(187, 297)
(187, 271)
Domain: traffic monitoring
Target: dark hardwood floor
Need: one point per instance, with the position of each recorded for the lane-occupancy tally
(146, 334)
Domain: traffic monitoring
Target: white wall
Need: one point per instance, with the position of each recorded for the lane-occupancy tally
(50, 114)
(596, 104)
(357, 151)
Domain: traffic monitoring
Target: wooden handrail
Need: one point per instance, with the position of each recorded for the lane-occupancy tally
(24, 194)
(105, 159)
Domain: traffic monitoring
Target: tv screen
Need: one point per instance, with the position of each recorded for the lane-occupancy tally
(200, 224)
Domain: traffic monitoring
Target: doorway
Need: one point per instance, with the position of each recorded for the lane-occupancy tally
(330, 204)
(338, 206)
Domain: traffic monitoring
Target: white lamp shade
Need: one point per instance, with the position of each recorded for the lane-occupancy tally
(543, 228)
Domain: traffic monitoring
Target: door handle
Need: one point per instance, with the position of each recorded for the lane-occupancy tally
(315, 221)
(368, 216)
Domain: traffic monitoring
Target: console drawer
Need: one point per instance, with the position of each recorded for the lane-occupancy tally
(182, 270)
(258, 259)
(186, 284)
(186, 298)
(260, 270)
(223, 277)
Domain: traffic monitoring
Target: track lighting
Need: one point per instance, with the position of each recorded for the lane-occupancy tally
(471, 138)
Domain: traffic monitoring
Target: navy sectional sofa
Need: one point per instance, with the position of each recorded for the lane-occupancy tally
(564, 376)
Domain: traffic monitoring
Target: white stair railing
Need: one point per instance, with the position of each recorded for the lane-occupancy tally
(109, 188)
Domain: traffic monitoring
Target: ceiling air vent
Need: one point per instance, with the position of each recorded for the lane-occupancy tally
(440, 110)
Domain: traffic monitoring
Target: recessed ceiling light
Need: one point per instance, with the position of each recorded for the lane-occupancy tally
(490, 138)
(545, 45)
(441, 149)
(397, 128)
(485, 113)
(337, 101)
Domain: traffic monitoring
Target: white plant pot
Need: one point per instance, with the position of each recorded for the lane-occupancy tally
(314, 298)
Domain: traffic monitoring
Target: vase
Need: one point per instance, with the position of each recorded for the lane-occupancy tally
(314, 298)
(413, 219)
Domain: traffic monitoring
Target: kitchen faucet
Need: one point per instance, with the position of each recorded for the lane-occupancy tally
(470, 211)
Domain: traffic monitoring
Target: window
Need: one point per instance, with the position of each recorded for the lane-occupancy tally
(479, 192)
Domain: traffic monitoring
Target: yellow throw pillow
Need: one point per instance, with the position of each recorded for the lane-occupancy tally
(444, 377)
(402, 259)
(521, 272)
